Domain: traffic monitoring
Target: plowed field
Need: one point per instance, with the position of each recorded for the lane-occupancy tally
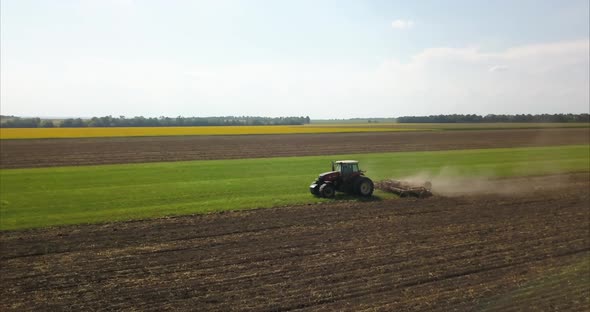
(66, 152)
(523, 252)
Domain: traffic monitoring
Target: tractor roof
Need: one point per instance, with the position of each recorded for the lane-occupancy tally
(347, 162)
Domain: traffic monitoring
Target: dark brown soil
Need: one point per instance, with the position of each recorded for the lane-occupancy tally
(485, 252)
(66, 152)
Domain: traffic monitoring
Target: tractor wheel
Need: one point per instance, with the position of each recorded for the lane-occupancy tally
(315, 190)
(327, 190)
(364, 187)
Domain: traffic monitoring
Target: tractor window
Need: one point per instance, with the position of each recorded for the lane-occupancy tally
(346, 169)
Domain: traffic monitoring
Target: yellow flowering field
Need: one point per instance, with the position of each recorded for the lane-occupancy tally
(44, 133)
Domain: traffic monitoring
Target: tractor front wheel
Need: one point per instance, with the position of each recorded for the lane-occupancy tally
(327, 190)
(364, 187)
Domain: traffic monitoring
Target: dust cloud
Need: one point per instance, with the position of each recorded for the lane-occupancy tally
(450, 183)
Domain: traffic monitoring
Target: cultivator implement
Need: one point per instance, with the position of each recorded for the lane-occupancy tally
(405, 189)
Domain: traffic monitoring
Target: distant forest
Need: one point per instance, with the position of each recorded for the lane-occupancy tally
(109, 121)
(495, 118)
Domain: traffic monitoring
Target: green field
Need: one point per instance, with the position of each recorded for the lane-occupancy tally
(71, 195)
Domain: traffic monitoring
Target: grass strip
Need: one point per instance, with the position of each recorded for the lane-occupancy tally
(42, 197)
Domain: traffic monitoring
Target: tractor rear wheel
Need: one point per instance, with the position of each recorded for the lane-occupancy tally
(327, 190)
(364, 187)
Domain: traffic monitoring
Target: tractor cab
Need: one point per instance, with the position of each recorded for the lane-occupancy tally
(346, 167)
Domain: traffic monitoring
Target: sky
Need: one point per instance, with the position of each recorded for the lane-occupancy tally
(323, 59)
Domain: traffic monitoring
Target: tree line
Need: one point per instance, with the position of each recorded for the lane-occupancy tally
(121, 121)
(495, 118)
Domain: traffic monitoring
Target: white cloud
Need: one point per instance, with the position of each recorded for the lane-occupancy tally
(550, 77)
(402, 24)
(108, 3)
(498, 68)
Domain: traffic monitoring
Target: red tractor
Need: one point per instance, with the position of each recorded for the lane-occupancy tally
(344, 177)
